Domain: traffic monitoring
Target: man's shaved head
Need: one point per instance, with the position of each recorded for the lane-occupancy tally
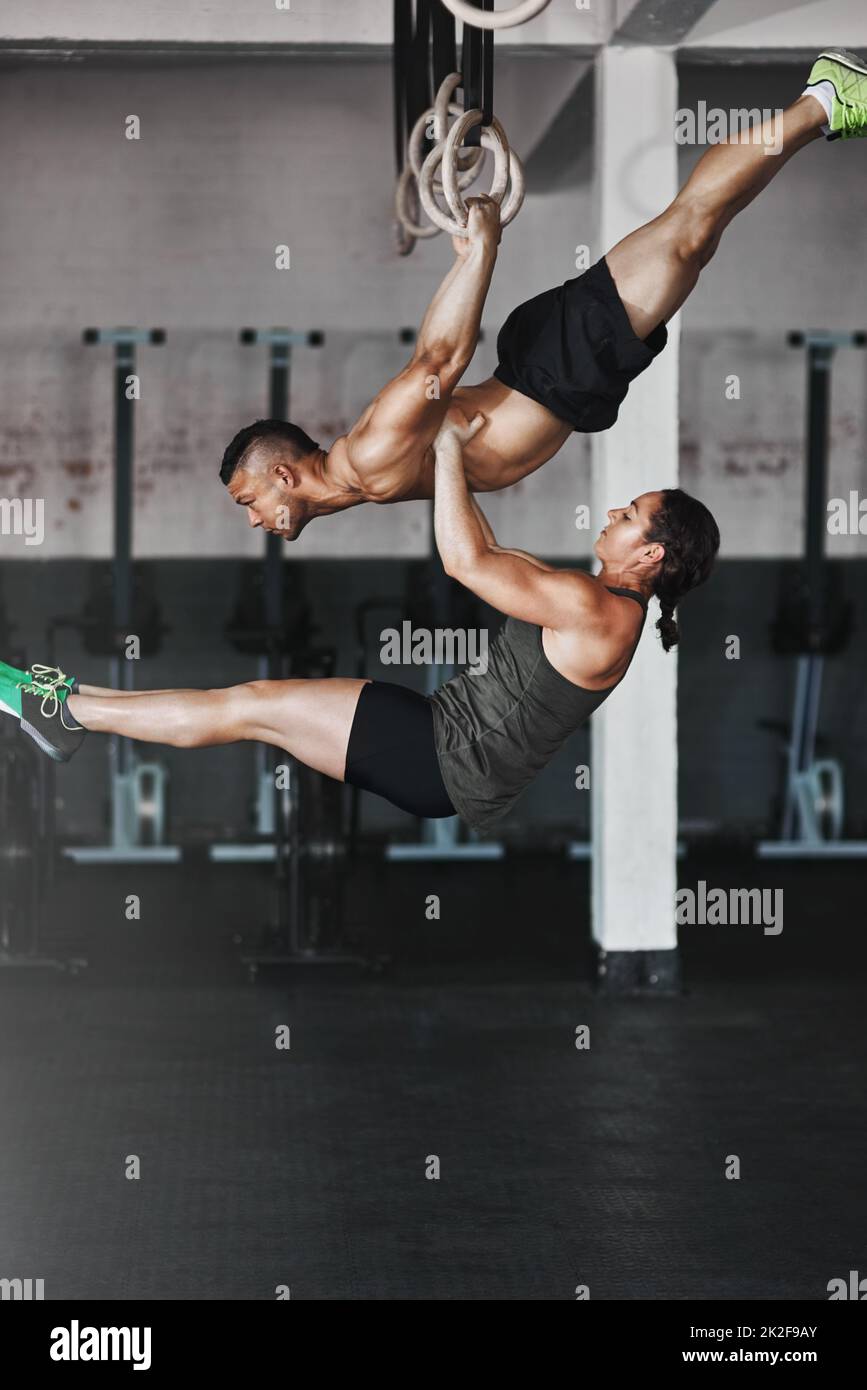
(274, 435)
(265, 472)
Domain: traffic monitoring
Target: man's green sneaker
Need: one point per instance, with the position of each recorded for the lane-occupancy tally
(847, 75)
(38, 702)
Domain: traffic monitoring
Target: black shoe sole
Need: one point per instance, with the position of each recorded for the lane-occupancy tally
(43, 745)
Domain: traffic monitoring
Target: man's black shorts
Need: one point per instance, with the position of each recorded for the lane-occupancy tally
(573, 350)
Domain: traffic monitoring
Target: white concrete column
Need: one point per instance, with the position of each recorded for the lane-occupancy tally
(634, 734)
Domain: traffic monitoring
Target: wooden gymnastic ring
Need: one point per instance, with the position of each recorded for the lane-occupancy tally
(507, 169)
(443, 108)
(405, 212)
(496, 19)
(471, 168)
(493, 138)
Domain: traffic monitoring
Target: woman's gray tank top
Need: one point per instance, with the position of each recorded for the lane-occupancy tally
(495, 731)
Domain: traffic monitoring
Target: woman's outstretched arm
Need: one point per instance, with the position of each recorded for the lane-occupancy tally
(516, 584)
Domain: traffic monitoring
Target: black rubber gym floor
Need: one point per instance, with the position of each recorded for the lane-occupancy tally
(307, 1167)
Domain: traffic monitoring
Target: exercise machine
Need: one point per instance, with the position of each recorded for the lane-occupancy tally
(121, 604)
(813, 623)
(269, 621)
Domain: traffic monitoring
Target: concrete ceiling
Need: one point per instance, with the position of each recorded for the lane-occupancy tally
(104, 30)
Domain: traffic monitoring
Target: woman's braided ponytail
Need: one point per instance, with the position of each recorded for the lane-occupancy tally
(691, 538)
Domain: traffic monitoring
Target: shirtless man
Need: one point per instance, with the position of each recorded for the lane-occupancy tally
(566, 357)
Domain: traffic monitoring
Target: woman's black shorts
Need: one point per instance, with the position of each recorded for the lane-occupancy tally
(573, 350)
(392, 751)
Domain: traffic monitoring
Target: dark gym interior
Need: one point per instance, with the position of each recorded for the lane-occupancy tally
(259, 1037)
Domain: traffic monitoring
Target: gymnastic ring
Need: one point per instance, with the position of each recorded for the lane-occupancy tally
(507, 168)
(496, 19)
(426, 185)
(509, 209)
(469, 161)
(512, 205)
(443, 108)
(404, 240)
(415, 148)
(493, 137)
(404, 212)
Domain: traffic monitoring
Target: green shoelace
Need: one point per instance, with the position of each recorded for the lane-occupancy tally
(852, 120)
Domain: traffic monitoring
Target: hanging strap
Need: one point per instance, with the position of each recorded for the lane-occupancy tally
(445, 48)
(419, 94)
(411, 69)
(400, 68)
(477, 58)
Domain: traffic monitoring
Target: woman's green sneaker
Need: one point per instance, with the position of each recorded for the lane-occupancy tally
(45, 674)
(52, 675)
(39, 705)
(847, 74)
(12, 673)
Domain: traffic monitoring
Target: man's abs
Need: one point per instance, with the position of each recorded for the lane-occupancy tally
(518, 437)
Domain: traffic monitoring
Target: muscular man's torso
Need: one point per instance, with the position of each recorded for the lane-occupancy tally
(518, 437)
